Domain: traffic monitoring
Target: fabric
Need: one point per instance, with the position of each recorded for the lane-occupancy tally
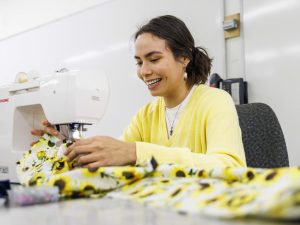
(207, 133)
(218, 192)
(45, 164)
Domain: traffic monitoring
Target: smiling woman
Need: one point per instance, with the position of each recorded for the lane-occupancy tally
(189, 123)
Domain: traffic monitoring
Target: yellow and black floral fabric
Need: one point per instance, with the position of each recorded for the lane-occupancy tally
(219, 192)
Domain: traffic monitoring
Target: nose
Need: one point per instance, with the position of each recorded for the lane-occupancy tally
(144, 70)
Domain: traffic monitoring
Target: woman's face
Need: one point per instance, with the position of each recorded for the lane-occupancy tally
(157, 67)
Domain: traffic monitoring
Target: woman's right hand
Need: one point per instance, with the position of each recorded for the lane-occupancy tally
(48, 128)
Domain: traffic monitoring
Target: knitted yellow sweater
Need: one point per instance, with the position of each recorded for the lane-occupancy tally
(207, 133)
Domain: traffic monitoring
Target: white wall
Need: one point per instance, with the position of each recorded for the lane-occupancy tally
(234, 49)
(267, 55)
(17, 16)
(100, 37)
(272, 62)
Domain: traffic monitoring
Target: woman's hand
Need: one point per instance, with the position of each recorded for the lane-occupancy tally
(48, 128)
(101, 151)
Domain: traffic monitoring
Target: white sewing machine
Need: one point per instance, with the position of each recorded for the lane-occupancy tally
(72, 98)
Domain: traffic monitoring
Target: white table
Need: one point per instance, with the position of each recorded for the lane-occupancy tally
(106, 211)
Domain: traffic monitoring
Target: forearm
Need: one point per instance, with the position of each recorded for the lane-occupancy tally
(131, 152)
(184, 156)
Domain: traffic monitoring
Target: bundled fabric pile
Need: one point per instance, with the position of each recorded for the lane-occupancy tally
(219, 192)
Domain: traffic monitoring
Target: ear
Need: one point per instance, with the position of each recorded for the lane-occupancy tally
(185, 61)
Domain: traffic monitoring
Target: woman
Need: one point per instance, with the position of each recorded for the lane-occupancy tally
(189, 123)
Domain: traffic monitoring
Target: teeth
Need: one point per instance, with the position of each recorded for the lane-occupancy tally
(153, 81)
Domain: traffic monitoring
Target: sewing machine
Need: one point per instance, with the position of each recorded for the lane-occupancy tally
(70, 98)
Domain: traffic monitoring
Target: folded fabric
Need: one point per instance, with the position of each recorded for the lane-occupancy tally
(224, 193)
(219, 192)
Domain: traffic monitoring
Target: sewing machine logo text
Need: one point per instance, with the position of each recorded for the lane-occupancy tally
(3, 100)
(4, 169)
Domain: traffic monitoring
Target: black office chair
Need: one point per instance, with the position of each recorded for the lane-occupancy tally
(263, 139)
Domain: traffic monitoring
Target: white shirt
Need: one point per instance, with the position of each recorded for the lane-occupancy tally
(173, 114)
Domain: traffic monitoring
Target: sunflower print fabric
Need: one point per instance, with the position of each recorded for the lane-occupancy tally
(219, 192)
(45, 164)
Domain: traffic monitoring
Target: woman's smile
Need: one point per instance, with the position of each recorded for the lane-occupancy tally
(154, 83)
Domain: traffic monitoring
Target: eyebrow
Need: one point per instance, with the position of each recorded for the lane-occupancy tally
(149, 54)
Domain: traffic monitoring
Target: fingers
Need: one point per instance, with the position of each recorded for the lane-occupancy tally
(80, 142)
(94, 165)
(36, 132)
(48, 128)
(86, 141)
(101, 151)
(46, 123)
(87, 159)
(74, 150)
(91, 161)
(51, 131)
(85, 151)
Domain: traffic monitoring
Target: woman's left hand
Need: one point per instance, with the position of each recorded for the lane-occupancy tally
(101, 151)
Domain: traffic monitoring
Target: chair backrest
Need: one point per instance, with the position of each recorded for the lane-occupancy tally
(263, 139)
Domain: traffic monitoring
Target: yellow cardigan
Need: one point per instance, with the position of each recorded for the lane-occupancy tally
(207, 133)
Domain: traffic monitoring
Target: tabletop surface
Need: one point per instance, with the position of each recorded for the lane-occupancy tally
(108, 211)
